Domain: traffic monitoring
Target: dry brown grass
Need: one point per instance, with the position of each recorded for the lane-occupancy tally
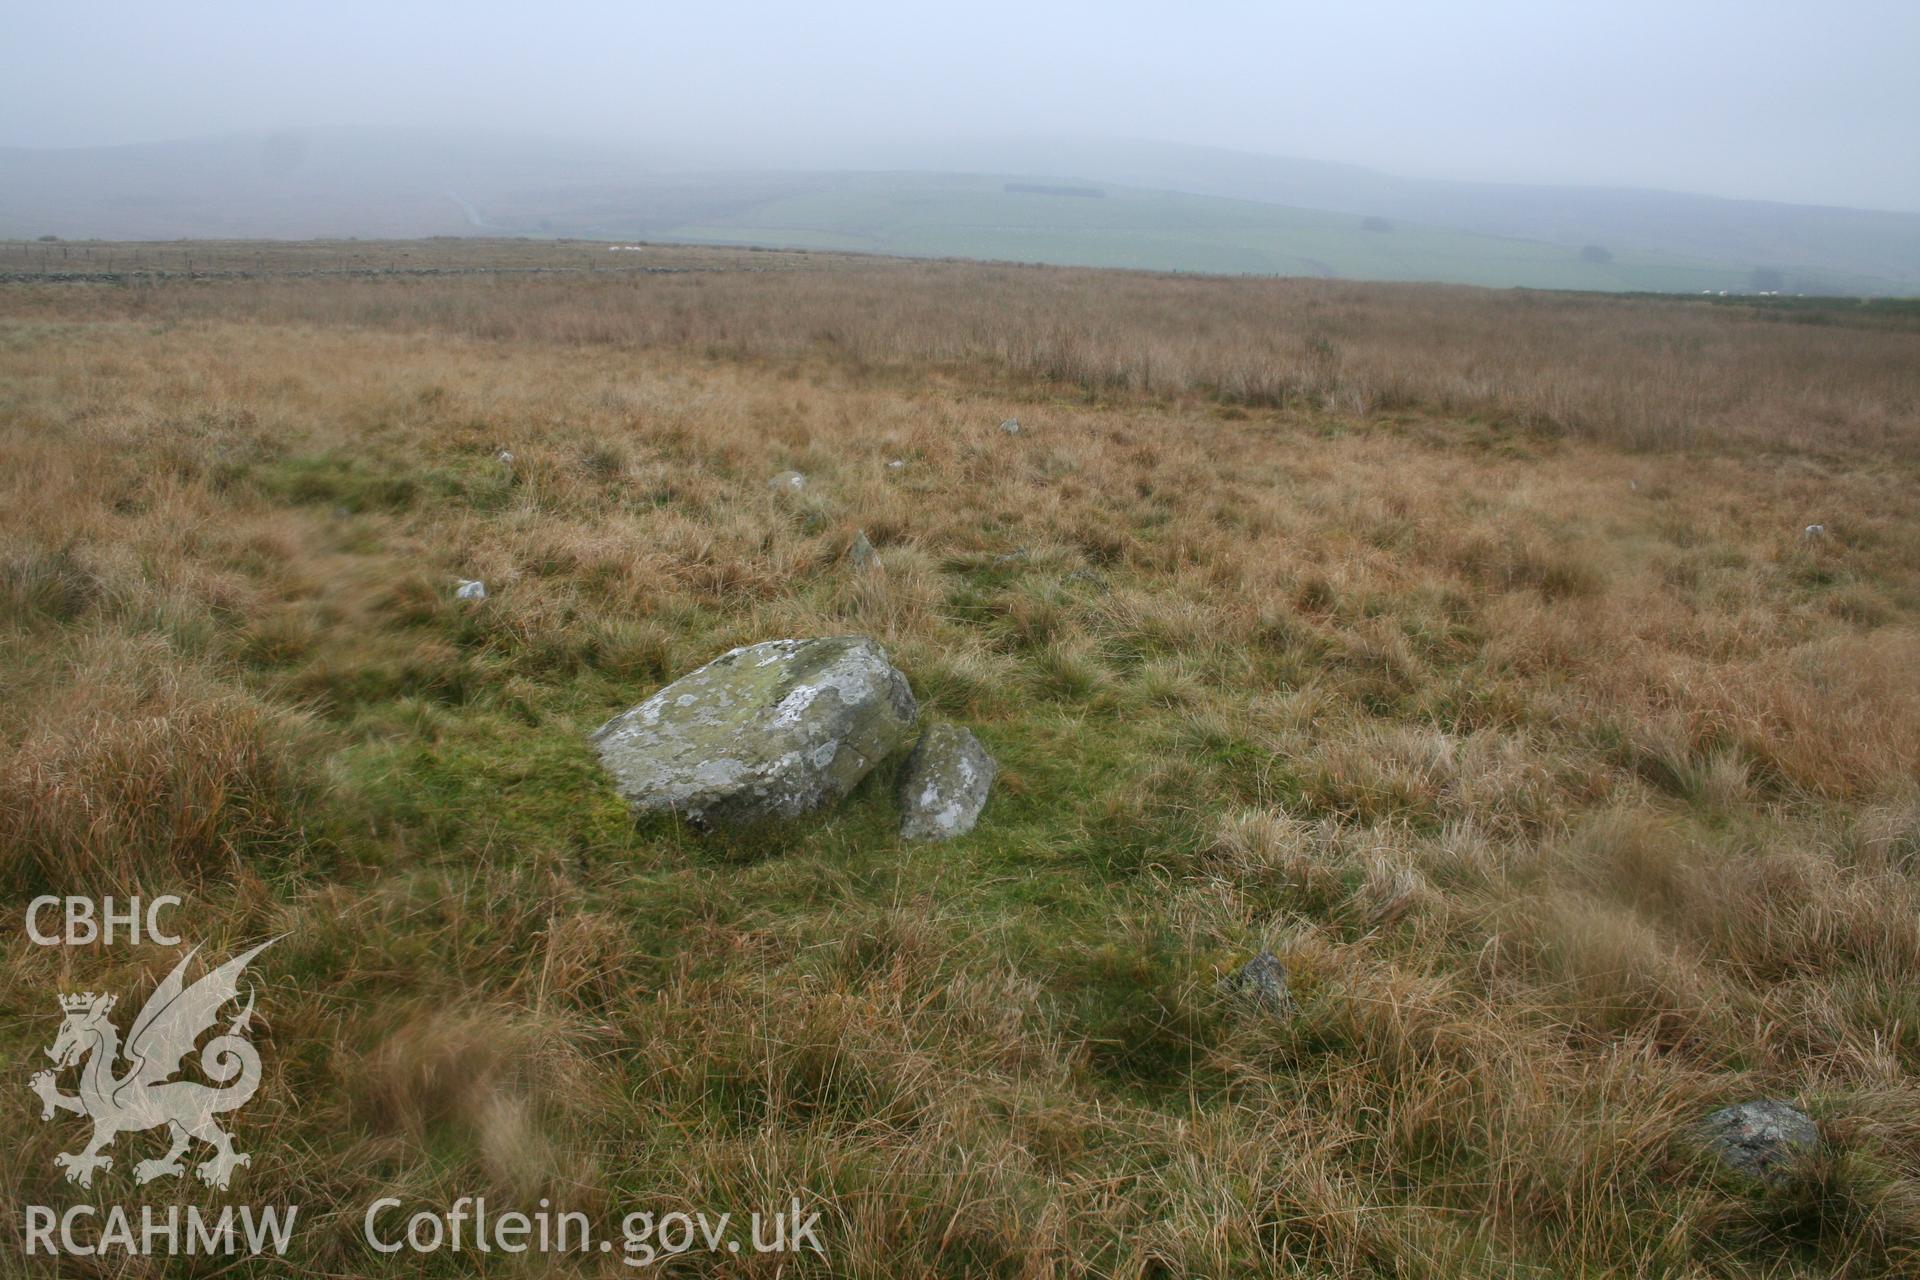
(1576, 788)
(1659, 373)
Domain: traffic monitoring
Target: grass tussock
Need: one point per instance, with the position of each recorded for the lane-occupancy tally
(134, 771)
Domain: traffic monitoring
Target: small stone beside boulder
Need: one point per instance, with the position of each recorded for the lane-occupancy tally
(1760, 1139)
(1262, 983)
(767, 731)
(944, 784)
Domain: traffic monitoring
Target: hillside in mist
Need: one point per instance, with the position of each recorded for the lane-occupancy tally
(1147, 206)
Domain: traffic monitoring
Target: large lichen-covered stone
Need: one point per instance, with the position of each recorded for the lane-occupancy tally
(944, 784)
(770, 730)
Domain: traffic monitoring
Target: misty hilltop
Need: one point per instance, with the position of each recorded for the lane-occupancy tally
(1109, 204)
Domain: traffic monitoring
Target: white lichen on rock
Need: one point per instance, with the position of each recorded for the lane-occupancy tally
(945, 784)
(770, 730)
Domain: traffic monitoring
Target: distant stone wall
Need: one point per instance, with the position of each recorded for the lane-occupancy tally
(1042, 189)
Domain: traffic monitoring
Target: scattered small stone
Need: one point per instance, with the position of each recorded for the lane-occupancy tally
(767, 731)
(1017, 556)
(944, 784)
(1262, 981)
(1092, 577)
(1011, 426)
(787, 482)
(860, 552)
(896, 464)
(1814, 531)
(1634, 485)
(470, 589)
(504, 458)
(1760, 1139)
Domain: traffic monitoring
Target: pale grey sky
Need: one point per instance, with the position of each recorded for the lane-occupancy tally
(1807, 102)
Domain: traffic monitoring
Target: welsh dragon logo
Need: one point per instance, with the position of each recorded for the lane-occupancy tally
(141, 1096)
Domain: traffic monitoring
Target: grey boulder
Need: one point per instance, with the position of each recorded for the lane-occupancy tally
(770, 730)
(944, 784)
(1760, 1139)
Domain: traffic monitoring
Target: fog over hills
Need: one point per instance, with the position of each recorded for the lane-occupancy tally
(1754, 232)
(1102, 203)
